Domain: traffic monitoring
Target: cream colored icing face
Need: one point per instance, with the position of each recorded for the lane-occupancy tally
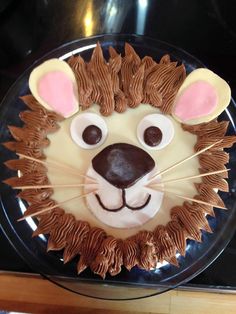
(122, 128)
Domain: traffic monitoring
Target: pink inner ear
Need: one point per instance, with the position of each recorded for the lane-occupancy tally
(198, 100)
(56, 89)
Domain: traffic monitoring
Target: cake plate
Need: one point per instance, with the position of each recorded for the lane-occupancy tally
(137, 283)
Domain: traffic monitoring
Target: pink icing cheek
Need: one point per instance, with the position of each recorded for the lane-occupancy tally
(56, 89)
(198, 100)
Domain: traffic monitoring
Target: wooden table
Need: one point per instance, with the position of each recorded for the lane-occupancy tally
(33, 294)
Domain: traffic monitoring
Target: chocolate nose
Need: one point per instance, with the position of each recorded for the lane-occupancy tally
(122, 164)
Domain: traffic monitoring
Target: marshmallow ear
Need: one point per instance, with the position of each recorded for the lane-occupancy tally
(202, 97)
(54, 85)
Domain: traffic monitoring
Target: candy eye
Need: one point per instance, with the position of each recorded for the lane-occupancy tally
(88, 130)
(152, 136)
(155, 131)
(92, 135)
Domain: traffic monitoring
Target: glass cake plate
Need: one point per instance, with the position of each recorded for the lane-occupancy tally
(137, 283)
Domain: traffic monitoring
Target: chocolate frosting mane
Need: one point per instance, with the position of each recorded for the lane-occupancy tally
(125, 82)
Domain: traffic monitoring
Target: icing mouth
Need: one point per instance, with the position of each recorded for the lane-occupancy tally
(124, 203)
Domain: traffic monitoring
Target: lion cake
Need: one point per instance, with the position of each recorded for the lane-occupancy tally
(120, 161)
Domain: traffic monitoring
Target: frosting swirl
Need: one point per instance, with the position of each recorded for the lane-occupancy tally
(75, 241)
(147, 258)
(177, 235)
(48, 222)
(60, 234)
(210, 195)
(29, 179)
(209, 161)
(39, 120)
(83, 82)
(136, 88)
(130, 65)
(28, 135)
(149, 67)
(165, 59)
(26, 166)
(114, 66)
(35, 207)
(198, 215)
(216, 182)
(148, 63)
(115, 267)
(157, 77)
(105, 257)
(189, 223)
(161, 84)
(29, 149)
(131, 253)
(210, 129)
(100, 73)
(166, 249)
(207, 209)
(34, 105)
(226, 142)
(120, 102)
(37, 195)
(90, 248)
(167, 102)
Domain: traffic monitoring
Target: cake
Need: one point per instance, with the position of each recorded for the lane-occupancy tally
(120, 161)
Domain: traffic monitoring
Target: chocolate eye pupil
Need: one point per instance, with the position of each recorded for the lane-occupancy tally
(92, 135)
(152, 136)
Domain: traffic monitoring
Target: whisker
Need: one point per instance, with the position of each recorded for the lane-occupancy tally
(32, 187)
(57, 165)
(198, 201)
(55, 206)
(190, 199)
(189, 178)
(183, 161)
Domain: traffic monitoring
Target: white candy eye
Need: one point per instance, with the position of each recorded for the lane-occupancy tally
(155, 131)
(88, 130)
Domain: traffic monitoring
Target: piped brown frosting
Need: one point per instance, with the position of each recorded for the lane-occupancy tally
(35, 195)
(48, 221)
(187, 221)
(36, 207)
(178, 235)
(75, 240)
(83, 81)
(148, 255)
(130, 253)
(29, 179)
(151, 82)
(90, 248)
(166, 250)
(62, 231)
(26, 166)
(105, 257)
(126, 81)
(101, 77)
(114, 65)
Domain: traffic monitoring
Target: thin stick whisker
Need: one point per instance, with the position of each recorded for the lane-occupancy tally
(188, 198)
(189, 178)
(46, 186)
(183, 161)
(57, 165)
(55, 206)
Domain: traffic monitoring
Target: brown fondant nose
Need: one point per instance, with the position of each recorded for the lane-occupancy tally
(122, 164)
